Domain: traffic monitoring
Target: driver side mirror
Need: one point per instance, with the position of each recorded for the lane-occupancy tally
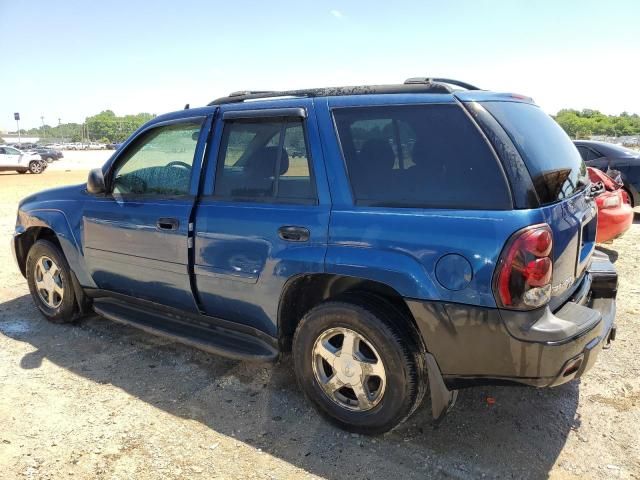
(95, 182)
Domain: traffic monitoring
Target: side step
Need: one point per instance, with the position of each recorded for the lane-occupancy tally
(216, 340)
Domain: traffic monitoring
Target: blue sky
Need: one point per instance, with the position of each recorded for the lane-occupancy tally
(69, 59)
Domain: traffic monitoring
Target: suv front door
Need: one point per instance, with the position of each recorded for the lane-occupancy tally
(136, 235)
(264, 215)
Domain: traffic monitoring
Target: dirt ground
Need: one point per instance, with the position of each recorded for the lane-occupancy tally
(100, 400)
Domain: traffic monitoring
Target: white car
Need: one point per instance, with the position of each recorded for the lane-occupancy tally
(21, 162)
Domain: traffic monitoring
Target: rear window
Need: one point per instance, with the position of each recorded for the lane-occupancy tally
(555, 165)
(425, 156)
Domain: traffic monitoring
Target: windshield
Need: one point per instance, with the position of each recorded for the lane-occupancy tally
(555, 166)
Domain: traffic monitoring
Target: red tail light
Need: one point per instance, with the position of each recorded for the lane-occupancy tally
(523, 277)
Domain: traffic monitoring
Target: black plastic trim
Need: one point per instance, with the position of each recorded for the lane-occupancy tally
(296, 112)
(473, 345)
(518, 176)
(219, 341)
(238, 97)
(171, 314)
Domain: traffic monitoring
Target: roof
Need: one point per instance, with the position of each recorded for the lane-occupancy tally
(418, 85)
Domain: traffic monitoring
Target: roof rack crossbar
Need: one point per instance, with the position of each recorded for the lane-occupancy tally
(449, 81)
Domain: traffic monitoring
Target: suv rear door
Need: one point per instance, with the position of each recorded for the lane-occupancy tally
(264, 213)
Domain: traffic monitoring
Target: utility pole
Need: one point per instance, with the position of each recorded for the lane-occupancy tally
(44, 132)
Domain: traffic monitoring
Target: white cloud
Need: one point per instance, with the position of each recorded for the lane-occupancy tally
(337, 13)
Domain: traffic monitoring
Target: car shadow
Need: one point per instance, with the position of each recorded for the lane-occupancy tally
(636, 217)
(612, 254)
(492, 431)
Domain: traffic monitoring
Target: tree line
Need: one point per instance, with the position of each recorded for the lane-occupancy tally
(587, 122)
(104, 127)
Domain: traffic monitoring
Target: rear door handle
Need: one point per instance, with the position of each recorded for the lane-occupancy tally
(294, 234)
(166, 223)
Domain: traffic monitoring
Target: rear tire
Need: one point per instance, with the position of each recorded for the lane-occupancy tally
(380, 384)
(630, 197)
(36, 167)
(22, 170)
(50, 284)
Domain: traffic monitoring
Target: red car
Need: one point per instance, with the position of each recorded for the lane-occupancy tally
(615, 214)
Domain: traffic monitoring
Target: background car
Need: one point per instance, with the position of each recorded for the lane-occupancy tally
(22, 162)
(615, 214)
(56, 146)
(607, 156)
(25, 146)
(48, 154)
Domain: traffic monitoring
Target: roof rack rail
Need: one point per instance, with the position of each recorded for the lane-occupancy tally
(449, 81)
(411, 85)
(240, 93)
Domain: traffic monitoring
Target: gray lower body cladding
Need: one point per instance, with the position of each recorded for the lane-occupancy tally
(475, 345)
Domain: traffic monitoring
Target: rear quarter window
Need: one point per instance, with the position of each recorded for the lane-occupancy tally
(420, 156)
(554, 163)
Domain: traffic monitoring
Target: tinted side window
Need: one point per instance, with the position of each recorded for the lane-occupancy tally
(584, 152)
(555, 166)
(264, 159)
(429, 156)
(159, 162)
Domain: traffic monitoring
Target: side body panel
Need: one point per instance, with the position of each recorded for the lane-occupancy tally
(401, 247)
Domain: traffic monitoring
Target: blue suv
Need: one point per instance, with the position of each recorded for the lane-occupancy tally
(397, 239)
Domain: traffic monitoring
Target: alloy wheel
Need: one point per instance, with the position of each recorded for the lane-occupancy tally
(49, 284)
(348, 369)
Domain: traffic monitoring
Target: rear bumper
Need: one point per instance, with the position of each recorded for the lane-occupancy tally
(474, 345)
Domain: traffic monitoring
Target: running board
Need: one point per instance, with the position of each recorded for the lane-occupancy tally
(211, 339)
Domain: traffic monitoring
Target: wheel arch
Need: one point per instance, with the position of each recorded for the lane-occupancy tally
(303, 292)
(52, 225)
(27, 239)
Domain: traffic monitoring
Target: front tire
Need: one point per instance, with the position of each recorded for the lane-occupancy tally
(358, 362)
(49, 279)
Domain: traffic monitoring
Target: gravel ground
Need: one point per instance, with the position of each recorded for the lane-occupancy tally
(101, 400)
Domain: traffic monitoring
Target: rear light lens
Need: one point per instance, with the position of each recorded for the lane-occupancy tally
(525, 269)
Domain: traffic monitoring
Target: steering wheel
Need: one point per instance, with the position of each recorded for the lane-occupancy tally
(178, 163)
(131, 183)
